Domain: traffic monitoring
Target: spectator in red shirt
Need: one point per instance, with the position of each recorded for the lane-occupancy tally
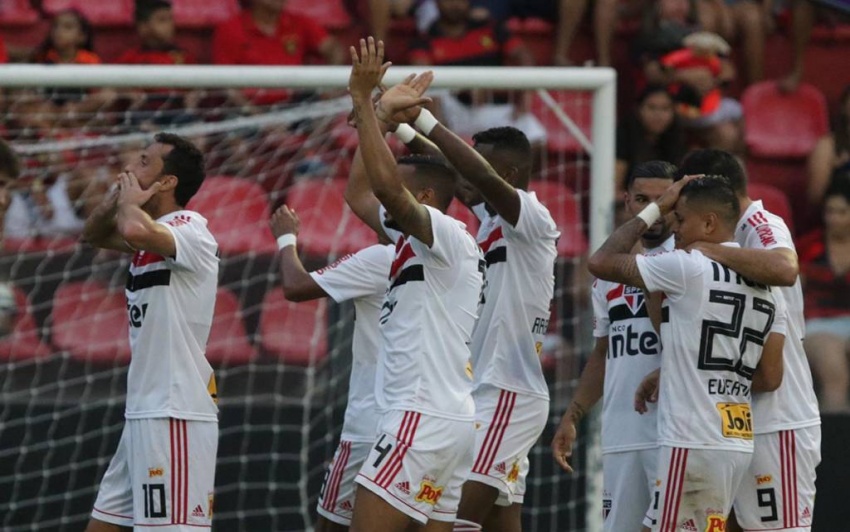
(459, 39)
(4, 57)
(265, 34)
(155, 27)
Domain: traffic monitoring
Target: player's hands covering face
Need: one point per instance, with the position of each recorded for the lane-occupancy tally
(130, 192)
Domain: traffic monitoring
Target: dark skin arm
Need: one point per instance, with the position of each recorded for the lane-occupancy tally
(297, 284)
(770, 369)
(773, 267)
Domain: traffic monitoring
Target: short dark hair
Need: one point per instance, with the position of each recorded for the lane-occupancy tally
(839, 185)
(186, 162)
(146, 8)
(653, 169)
(512, 141)
(715, 191)
(716, 162)
(10, 164)
(433, 172)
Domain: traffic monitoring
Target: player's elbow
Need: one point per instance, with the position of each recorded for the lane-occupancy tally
(769, 380)
(296, 292)
(135, 234)
(788, 272)
(596, 265)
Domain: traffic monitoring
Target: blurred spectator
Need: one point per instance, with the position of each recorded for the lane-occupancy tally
(803, 16)
(693, 64)
(265, 34)
(156, 31)
(651, 132)
(459, 39)
(4, 56)
(750, 22)
(9, 170)
(831, 153)
(570, 15)
(825, 267)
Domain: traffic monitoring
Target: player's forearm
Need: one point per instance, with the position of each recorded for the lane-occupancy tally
(134, 225)
(378, 160)
(475, 169)
(614, 261)
(296, 282)
(590, 385)
(773, 267)
(771, 368)
(100, 225)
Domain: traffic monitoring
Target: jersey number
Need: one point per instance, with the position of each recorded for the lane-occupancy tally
(154, 500)
(767, 499)
(732, 329)
(382, 451)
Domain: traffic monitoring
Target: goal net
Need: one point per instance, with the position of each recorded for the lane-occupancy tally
(270, 136)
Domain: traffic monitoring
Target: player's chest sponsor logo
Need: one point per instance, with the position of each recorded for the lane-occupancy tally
(736, 420)
(386, 310)
(136, 314)
(429, 492)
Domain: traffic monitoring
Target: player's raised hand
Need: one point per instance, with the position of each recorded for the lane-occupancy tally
(668, 200)
(647, 391)
(562, 443)
(130, 192)
(403, 102)
(367, 69)
(284, 221)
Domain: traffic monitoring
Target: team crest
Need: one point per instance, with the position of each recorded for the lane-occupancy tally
(513, 475)
(606, 508)
(633, 298)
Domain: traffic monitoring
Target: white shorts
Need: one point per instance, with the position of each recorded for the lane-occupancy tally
(336, 500)
(694, 489)
(778, 491)
(161, 475)
(507, 425)
(628, 481)
(418, 464)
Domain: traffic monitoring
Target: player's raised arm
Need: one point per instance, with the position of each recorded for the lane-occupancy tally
(100, 229)
(381, 170)
(297, 283)
(774, 267)
(136, 227)
(500, 194)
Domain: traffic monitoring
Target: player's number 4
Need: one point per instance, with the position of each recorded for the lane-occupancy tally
(382, 451)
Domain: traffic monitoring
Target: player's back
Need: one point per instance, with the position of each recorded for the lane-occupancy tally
(518, 288)
(426, 321)
(170, 303)
(714, 323)
(794, 404)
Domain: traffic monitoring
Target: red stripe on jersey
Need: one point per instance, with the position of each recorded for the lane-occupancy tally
(143, 258)
(615, 292)
(401, 257)
(488, 242)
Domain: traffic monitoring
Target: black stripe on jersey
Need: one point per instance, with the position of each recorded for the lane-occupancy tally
(665, 315)
(411, 273)
(496, 255)
(148, 279)
(623, 312)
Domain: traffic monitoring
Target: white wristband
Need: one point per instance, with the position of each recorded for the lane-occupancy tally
(405, 133)
(650, 214)
(285, 240)
(425, 122)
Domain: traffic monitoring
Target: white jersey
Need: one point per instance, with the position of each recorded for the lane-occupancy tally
(620, 313)
(426, 322)
(714, 323)
(361, 277)
(518, 288)
(794, 404)
(170, 303)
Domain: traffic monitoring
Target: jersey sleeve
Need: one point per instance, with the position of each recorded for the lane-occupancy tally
(780, 317)
(196, 249)
(535, 220)
(767, 233)
(392, 233)
(667, 272)
(447, 243)
(601, 321)
(361, 274)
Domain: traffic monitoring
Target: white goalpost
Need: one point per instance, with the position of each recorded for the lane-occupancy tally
(282, 367)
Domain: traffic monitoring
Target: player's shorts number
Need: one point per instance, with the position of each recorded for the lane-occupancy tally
(733, 329)
(382, 451)
(767, 499)
(154, 500)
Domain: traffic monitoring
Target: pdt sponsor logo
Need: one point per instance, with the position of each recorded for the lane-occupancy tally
(763, 479)
(429, 493)
(715, 523)
(155, 472)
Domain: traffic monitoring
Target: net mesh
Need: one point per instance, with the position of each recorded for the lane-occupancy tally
(282, 368)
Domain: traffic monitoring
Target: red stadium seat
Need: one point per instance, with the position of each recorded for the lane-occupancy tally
(577, 106)
(23, 342)
(101, 13)
(57, 244)
(459, 211)
(228, 342)
(783, 125)
(564, 206)
(295, 333)
(773, 200)
(17, 12)
(238, 214)
(203, 13)
(328, 227)
(90, 322)
(328, 13)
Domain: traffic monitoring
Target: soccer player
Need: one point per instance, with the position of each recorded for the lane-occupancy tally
(627, 348)
(362, 278)
(163, 470)
(722, 336)
(423, 388)
(778, 491)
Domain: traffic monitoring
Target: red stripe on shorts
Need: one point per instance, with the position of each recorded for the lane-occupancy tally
(336, 476)
(184, 428)
(501, 420)
(404, 440)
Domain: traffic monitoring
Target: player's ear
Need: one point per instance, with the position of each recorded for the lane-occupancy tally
(710, 221)
(169, 182)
